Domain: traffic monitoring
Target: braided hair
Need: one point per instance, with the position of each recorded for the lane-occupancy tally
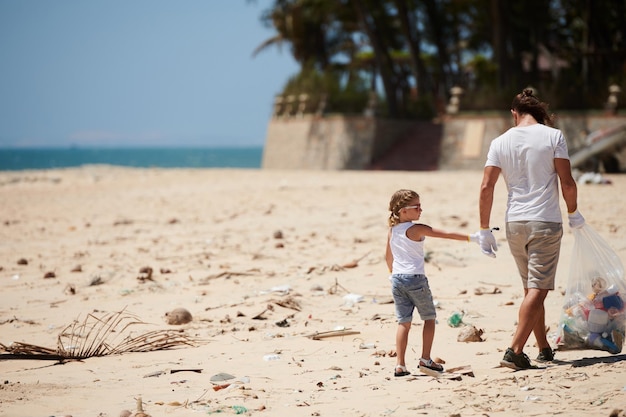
(399, 200)
(527, 103)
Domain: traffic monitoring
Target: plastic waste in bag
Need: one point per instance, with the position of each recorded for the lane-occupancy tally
(593, 315)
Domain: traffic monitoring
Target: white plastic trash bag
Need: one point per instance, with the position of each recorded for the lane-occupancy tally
(593, 315)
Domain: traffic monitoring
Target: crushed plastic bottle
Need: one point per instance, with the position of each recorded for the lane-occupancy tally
(456, 319)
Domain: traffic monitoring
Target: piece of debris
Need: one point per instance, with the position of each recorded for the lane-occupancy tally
(332, 333)
(481, 291)
(288, 302)
(96, 280)
(178, 316)
(171, 371)
(463, 370)
(70, 289)
(260, 315)
(145, 274)
(140, 411)
(221, 377)
(470, 334)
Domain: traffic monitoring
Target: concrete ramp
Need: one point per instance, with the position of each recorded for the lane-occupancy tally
(417, 149)
(599, 142)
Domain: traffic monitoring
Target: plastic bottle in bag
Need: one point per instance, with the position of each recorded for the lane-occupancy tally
(593, 314)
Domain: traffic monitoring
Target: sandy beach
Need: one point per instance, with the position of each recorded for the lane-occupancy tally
(283, 273)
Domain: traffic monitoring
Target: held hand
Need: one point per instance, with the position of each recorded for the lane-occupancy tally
(576, 220)
(487, 242)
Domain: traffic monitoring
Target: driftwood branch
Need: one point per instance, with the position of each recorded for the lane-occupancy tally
(332, 333)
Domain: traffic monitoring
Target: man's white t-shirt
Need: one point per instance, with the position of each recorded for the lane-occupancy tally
(526, 157)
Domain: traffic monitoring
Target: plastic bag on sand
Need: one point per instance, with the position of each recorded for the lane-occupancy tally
(593, 315)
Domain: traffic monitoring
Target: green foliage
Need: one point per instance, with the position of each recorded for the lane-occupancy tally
(483, 70)
(422, 108)
(342, 96)
(570, 50)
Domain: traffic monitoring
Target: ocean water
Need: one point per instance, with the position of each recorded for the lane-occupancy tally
(23, 159)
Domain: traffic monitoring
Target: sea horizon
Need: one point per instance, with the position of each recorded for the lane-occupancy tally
(41, 158)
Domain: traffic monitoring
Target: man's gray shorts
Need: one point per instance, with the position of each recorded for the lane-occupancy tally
(535, 246)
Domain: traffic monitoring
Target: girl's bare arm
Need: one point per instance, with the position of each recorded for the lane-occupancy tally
(418, 231)
(388, 254)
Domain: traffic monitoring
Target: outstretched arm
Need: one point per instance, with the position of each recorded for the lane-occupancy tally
(418, 231)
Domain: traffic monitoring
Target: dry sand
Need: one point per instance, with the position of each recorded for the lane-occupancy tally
(286, 248)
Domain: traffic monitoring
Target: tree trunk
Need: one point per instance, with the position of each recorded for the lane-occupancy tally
(413, 39)
(381, 56)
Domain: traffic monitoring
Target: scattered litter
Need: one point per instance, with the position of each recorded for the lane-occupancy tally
(283, 289)
(271, 357)
(463, 370)
(219, 381)
(221, 377)
(261, 316)
(282, 323)
(288, 302)
(332, 333)
(351, 299)
(456, 319)
(171, 371)
(470, 334)
(593, 178)
(482, 290)
(178, 316)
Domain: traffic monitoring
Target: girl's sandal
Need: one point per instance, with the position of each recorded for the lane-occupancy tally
(427, 366)
(401, 371)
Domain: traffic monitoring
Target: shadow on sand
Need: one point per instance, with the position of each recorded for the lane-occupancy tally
(579, 363)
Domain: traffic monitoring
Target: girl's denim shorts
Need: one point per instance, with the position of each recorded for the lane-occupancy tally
(412, 291)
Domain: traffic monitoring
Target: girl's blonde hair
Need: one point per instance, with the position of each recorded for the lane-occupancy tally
(399, 200)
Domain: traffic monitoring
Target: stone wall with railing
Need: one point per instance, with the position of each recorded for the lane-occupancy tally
(301, 136)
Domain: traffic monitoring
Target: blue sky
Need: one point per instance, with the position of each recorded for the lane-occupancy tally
(136, 73)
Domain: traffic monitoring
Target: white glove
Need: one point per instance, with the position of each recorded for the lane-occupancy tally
(576, 220)
(487, 242)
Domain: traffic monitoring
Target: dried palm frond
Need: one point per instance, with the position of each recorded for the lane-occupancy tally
(18, 350)
(100, 336)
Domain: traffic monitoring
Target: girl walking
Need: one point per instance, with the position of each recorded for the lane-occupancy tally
(409, 285)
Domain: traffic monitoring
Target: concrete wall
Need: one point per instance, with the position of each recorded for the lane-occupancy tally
(356, 142)
(466, 139)
(330, 142)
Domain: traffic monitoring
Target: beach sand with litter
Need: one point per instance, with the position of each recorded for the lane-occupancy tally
(283, 273)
